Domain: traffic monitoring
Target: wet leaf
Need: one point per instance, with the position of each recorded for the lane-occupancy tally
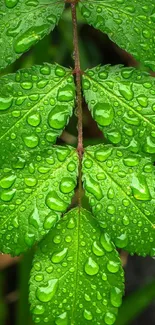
(122, 102)
(121, 192)
(23, 24)
(130, 25)
(35, 190)
(76, 275)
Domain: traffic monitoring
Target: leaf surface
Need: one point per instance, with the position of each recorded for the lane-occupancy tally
(122, 101)
(35, 190)
(130, 25)
(35, 106)
(23, 24)
(121, 192)
(76, 276)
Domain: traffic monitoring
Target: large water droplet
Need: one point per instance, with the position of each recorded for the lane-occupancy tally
(54, 202)
(8, 195)
(106, 242)
(109, 318)
(91, 267)
(93, 187)
(103, 154)
(8, 181)
(5, 103)
(58, 117)
(67, 185)
(34, 219)
(116, 297)
(140, 188)
(66, 94)
(11, 3)
(34, 119)
(46, 293)
(59, 256)
(87, 315)
(103, 114)
(113, 266)
(126, 91)
(31, 141)
(97, 250)
(121, 241)
(29, 38)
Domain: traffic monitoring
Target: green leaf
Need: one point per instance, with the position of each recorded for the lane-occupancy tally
(121, 191)
(23, 24)
(35, 106)
(130, 25)
(77, 275)
(34, 192)
(122, 101)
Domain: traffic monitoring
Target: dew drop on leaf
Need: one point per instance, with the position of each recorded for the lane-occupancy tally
(46, 293)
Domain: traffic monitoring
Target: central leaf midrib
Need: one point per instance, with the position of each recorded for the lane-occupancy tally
(38, 188)
(128, 197)
(120, 100)
(33, 107)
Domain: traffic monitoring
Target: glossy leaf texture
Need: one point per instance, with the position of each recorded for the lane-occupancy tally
(35, 106)
(76, 276)
(23, 24)
(130, 25)
(122, 101)
(121, 191)
(34, 192)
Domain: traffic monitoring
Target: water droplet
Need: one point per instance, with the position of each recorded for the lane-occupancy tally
(66, 94)
(71, 223)
(67, 185)
(50, 221)
(106, 242)
(149, 146)
(140, 188)
(109, 318)
(30, 181)
(46, 293)
(29, 38)
(8, 181)
(62, 319)
(31, 141)
(103, 114)
(97, 250)
(58, 117)
(34, 119)
(103, 154)
(131, 161)
(116, 297)
(8, 195)
(59, 256)
(34, 219)
(54, 202)
(113, 266)
(60, 71)
(126, 91)
(38, 310)
(5, 103)
(121, 241)
(11, 3)
(91, 267)
(93, 187)
(87, 315)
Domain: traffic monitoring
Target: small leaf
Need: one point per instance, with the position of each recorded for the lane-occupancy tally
(35, 190)
(23, 24)
(75, 279)
(35, 106)
(121, 191)
(122, 101)
(130, 25)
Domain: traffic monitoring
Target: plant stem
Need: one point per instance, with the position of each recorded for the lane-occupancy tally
(77, 72)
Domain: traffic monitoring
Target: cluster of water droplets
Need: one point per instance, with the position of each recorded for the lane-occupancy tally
(135, 36)
(122, 101)
(24, 23)
(33, 195)
(34, 109)
(120, 187)
(74, 259)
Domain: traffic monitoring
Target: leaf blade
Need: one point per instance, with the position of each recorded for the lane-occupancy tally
(69, 250)
(120, 188)
(35, 106)
(25, 30)
(33, 195)
(118, 19)
(121, 101)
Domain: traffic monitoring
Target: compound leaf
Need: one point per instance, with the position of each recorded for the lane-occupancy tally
(121, 191)
(129, 25)
(77, 276)
(35, 190)
(23, 24)
(122, 101)
(35, 106)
